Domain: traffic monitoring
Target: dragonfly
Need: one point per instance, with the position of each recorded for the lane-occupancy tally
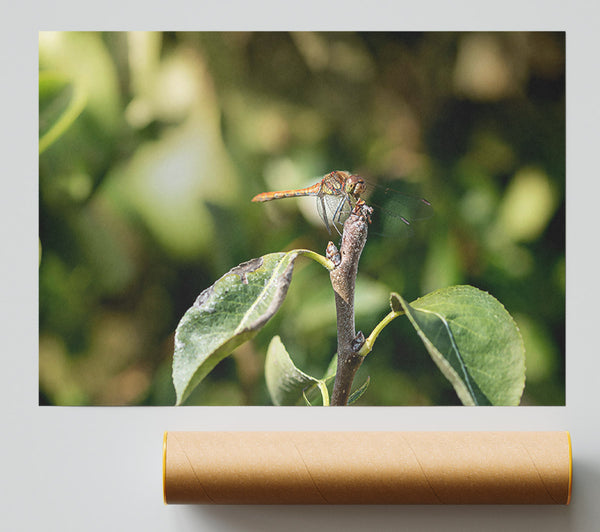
(339, 191)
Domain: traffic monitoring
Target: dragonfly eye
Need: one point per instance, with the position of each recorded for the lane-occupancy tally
(356, 185)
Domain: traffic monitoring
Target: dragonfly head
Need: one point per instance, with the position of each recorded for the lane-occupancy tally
(355, 185)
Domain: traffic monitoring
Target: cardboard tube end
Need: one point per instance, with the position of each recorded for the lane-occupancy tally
(570, 467)
(164, 467)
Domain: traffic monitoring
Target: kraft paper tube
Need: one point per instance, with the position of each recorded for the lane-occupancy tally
(367, 467)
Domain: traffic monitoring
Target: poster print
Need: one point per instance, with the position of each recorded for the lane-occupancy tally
(307, 218)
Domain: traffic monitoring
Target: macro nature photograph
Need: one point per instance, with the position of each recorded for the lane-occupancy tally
(302, 218)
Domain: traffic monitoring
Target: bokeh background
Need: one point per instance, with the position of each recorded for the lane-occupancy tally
(144, 198)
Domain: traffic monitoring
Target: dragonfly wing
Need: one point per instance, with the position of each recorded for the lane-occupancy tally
(395, 212)
(386, 223)
(334, 210)
(323, 212)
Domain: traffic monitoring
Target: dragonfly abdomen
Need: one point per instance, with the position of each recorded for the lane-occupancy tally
(268, 196)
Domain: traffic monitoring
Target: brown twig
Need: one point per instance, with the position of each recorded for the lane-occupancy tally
(343, 279)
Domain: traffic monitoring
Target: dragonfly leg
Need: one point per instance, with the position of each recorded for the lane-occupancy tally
(336, 218)
(362, 209)
(340, 209)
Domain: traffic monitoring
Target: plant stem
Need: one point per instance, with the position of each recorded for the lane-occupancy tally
(325, 262)
(343, 280)
(368, 345)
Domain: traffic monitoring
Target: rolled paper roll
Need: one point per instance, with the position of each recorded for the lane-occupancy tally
(367, 467)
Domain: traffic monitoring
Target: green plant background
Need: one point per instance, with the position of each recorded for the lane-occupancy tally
(145, 199)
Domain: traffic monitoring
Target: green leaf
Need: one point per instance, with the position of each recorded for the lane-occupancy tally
(332, 368)
(358, 393)
(285, 382)
(474, 341)
(61, 102)
(227, 314)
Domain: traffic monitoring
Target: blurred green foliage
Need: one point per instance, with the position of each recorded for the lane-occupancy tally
(145, 197)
